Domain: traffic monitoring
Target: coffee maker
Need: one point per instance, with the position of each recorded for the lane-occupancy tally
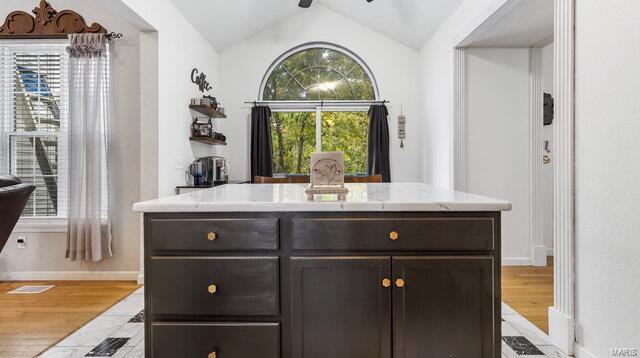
(215, 170)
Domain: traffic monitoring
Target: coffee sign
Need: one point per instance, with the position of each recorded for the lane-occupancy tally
(200, 79)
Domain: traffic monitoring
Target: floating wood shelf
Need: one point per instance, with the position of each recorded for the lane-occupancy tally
(207, 111)
(207, 140)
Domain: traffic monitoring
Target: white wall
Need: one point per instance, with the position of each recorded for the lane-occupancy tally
(436, 80)
(607, 175)
(498, 139)
(394, 65)
(547, 169)
(44, 255)
(180, 49)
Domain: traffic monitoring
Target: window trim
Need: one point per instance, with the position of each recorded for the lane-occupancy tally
(44, 224)
(312, 45)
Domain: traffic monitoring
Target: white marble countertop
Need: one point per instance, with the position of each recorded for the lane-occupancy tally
(291, 197)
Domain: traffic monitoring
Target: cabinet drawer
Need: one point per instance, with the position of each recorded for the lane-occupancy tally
(227, 340)
(218, 286)
(202, 234)
(388, 233)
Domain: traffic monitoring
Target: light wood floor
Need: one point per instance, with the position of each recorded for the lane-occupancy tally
(529, 291)
(29, 324)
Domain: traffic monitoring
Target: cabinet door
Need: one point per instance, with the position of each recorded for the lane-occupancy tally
(445, 307)
(340, 307)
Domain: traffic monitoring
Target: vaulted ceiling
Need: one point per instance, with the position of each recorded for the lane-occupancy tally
(224, 22)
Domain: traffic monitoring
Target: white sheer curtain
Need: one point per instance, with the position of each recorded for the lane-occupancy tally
(90, 111)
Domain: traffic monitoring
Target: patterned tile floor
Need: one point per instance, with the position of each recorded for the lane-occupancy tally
(119, 333)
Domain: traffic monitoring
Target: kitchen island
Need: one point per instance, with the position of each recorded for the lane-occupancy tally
(397, 270)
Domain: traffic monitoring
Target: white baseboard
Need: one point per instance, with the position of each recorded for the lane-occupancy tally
(69, 275)
(551, 252)
(516, 261)
(141, 279)
(581, 352)
(561, 330)
(539, 256)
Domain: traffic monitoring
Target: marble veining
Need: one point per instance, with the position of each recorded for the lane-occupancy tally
(291, 197)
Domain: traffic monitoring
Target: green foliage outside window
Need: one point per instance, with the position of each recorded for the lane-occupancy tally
(294, 139)
(347, 132)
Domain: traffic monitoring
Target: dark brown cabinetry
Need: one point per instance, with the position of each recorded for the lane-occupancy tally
(445, 307)
(228, 340)
(224, 286)
(311, 285)
(339, 307)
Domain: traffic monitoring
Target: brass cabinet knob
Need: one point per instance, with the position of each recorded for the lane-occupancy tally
(213, 354)
(386, 282)
(213, 289)
(400, 282)
(212, 236)
(393, 235)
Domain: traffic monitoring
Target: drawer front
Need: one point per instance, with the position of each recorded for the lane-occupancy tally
(217, 286)
(226, 340)
(202, 234)
(433, 233)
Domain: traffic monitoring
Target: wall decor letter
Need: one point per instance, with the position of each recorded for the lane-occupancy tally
(200, 80)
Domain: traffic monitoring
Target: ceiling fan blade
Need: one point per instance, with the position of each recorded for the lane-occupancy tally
(305, 3)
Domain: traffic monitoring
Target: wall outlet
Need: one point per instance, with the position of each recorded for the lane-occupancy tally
(22, 242)
(179, 165)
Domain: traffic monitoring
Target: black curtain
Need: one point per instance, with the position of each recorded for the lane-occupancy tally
(261, 147)
(379, 142)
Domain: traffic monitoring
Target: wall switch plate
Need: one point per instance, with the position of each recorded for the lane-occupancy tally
(22, 242)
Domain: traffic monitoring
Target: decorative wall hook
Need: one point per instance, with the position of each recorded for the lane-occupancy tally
(402, 128)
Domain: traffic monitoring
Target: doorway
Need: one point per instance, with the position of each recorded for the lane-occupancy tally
(502, 68)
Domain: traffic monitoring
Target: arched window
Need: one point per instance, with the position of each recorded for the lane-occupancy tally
(319, 72)
(320, 94)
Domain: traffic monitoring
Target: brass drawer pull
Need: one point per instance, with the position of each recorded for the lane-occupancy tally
(393, 235)
(212, 236)
(400, 282)
(213, 289)
(386, 282)
(213, 354)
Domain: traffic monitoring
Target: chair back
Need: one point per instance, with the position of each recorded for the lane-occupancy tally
(369, 179)
(298, 179)
(304, 179)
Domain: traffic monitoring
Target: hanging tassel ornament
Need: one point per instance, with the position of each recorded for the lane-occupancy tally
(402, 128)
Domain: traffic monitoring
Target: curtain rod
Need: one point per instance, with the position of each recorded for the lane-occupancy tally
(321, 103)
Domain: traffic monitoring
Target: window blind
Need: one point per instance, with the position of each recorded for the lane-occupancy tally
(33, 122)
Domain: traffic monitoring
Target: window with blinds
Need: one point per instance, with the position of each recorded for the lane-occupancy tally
(33, 123)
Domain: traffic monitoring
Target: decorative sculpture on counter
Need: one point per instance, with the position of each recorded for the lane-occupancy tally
(327, 175)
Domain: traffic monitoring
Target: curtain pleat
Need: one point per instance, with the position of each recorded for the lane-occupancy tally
(378, 151)
(261, 144)
(90, 111)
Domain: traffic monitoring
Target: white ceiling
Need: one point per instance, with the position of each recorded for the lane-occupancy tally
(226, 22)
(528, 24)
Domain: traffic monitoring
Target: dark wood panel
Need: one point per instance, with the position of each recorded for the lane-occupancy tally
(340, 308)
(243, 286)
(392, 233)
(228, 234)
(228, 340)
(445, 308)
